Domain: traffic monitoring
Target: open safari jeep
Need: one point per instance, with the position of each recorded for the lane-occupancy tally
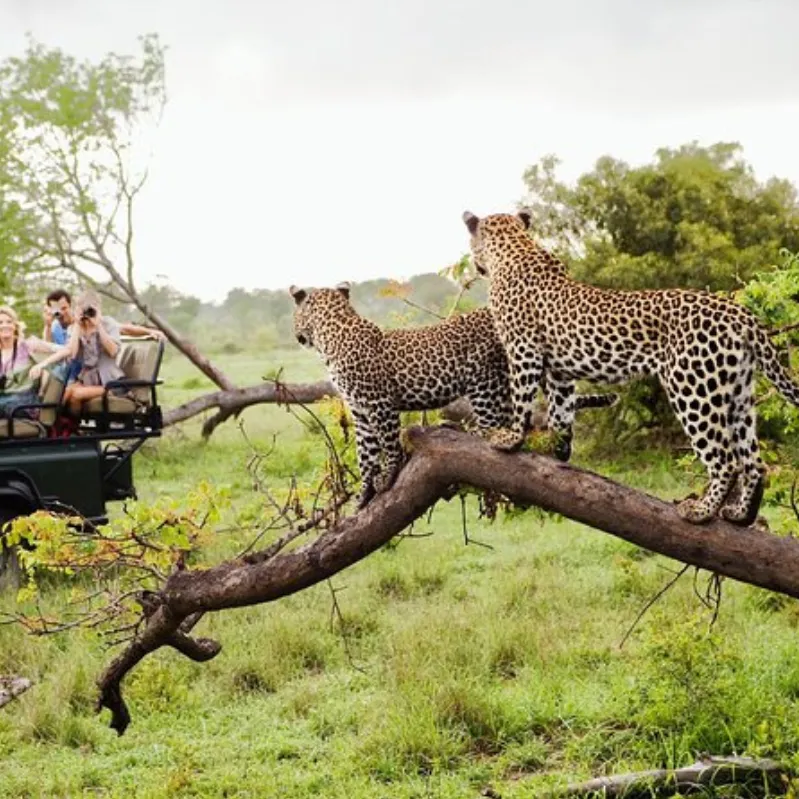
(76, 474)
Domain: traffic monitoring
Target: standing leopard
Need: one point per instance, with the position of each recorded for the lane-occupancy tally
(380, 373)
(703, 348)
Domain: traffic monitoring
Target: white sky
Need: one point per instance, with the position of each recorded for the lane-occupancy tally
(326, 140)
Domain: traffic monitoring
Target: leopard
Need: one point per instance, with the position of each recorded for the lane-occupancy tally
(382, 372)
(704, 349)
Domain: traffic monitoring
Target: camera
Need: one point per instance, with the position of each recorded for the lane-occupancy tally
(57, 314)
(88, 313)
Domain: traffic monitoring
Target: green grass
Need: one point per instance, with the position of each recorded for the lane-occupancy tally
(463, 665)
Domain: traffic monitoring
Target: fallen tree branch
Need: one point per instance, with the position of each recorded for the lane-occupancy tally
(440, 459)
(231, 402)
(762, 777)
(12, 687)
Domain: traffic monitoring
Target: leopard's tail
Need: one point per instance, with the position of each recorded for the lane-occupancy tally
(768, 361)
(583, 401)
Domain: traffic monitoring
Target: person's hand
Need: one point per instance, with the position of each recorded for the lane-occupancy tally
(158, 334)
(89, 324)
(47, 315)
(35, 372)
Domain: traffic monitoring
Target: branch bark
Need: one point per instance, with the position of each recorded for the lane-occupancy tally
(231, 402)
(12, 687)
(763, 777)
(440, 459)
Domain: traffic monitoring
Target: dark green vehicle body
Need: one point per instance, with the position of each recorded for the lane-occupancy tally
(78, 474)
(73, 475)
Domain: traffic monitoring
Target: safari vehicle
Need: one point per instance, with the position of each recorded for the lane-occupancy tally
(77, 474)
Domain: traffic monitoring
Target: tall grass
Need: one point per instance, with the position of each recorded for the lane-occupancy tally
(452, 666)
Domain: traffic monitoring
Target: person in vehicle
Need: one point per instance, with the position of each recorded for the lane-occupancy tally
(94, 341)
(18, 380)
(58, 317)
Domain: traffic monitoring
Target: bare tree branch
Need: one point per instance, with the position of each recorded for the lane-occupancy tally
(231, 402)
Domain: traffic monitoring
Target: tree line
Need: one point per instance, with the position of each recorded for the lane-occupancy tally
(71, 169)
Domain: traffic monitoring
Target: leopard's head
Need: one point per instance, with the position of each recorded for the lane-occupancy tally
(494, 237)
(316, 309)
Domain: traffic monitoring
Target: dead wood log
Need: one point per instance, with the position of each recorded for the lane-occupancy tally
(12, 687)
(761, 778)
(228, 403)
(440, 459)
(232, 402)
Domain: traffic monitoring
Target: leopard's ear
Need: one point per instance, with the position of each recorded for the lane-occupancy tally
(471, 221)
(344, 288)
(526, 218)
(298, 294)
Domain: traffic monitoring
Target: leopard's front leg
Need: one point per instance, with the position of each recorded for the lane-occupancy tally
(526, 370)
(387, 424)
(561, 408)
(367, 446)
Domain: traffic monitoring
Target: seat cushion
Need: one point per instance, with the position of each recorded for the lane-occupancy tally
(51, 392)
(115, 405)
(23, 428)
(139, 359)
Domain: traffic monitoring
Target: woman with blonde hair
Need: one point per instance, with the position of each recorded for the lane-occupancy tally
(18, 374)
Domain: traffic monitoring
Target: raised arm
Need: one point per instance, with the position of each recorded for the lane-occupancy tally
(38, 345)
(129, 329)
(56, 357)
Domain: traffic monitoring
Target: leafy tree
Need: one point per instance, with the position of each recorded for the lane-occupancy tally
(696, 217)
(773, 295)
(76, 133)
(14, 254)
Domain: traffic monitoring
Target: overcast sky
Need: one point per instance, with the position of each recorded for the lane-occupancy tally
(326, 140)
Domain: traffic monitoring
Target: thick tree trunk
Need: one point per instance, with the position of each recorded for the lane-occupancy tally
(440, 459)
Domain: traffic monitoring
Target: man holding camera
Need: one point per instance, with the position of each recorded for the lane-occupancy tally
(57, 316)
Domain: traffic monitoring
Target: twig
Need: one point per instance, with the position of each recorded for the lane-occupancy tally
(466, 538)
(651, 602)
(422, 308)
(335, 613)
(464, 287)
(776, 331)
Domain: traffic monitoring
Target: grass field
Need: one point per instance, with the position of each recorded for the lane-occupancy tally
(458, 667)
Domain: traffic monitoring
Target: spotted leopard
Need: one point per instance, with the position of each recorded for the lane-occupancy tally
(380, 373)
(704, 349)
